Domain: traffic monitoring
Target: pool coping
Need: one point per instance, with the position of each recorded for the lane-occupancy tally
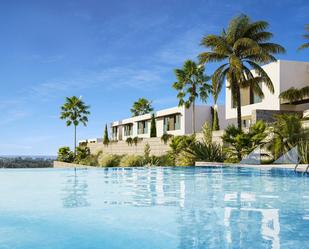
(300, 167)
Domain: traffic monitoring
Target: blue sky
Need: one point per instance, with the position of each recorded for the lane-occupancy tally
(110, 53)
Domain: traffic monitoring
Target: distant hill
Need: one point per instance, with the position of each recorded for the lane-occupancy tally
(26, 161)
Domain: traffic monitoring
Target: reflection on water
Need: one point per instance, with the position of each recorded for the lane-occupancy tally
(75, 190)
(163, 208)
(216, 208)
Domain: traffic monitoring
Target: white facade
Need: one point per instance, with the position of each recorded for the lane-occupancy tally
(174, 121)
(284, 74)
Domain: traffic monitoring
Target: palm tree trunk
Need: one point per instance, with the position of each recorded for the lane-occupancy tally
(193, 116)
(74, 140)
(238, 114)
(237, 88)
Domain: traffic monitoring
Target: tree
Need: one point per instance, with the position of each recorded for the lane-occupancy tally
(191, 84)
(153, 127)
(243, 47)
(82, 152)
(141, 106)
(65, 155)
(293, 94)
(105, 137)
(288, 132)
(216, 87)
(306, 36)
(74, 111)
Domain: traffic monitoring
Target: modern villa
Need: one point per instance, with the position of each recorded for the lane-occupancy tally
(284, 75)
(174, 121)
(178, 120)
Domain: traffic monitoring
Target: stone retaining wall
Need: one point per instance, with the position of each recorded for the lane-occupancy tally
(157, 147)
(58, 164)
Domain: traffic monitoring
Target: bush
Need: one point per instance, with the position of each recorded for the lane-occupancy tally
(129, 141)
(109, 160)
(65, 155)
(82, 152)
(136, 140)
(209, 152)
(91, 160)
(177, 145)
(132, 161)
(165, 137)
(207, 133)
(240, 143)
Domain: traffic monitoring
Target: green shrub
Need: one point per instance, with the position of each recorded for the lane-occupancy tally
(207, 133)
(136, 140)
(166, 137)
(303, 149)
(91, 160)
(240, 143)
(288, 132)
(132, 161)
(65, 155)
(109, 160)
(147, 151)
(82, 152)
(208, 152)
(129, 141)
(177, 145)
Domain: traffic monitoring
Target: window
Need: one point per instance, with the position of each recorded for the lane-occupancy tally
(128, 130)
(254, 98)
(172, 122)
(114, 132)
(142, 127)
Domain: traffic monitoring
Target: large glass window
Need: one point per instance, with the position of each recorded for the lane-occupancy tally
(114, 132)
(128, 130)
(254, 98)
(172, 122)
(142, 127)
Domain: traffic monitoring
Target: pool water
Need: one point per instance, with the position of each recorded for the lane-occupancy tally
(153, 208)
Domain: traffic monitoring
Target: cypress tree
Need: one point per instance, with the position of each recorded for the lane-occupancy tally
(105, 137)
(215, 125)
(153, 128)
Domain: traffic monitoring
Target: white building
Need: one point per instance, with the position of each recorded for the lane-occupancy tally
(174, 121)
(284, 74)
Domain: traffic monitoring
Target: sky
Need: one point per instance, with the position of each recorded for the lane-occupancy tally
(111, 53)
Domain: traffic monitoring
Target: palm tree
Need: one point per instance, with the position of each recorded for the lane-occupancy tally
(141, 106)
(243, 47)
(306, 36)
(294, 94)
(191, 82)
(288, 132)
(74, 111)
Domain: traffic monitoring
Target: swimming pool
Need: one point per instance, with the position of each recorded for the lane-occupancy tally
(153, 208)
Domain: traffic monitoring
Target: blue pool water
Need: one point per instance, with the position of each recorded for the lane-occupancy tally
(153, 208)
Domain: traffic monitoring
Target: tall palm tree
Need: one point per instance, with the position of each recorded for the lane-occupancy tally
(295, 94)
(243, 47)
(191, 83)
(306, 36)
(74, 111)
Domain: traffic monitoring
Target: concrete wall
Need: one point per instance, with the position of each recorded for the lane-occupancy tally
(58, 164)
(121, 147)
(269, 115)
(157, 147)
